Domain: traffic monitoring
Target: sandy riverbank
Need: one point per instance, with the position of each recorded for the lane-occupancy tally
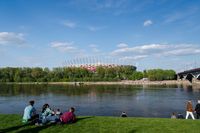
(124, 82)
(130, 82)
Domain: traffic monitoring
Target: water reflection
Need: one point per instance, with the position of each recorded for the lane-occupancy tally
(69, 90)
(147, 101)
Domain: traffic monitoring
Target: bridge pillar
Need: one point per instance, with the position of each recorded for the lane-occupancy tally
(198, 77)
(180, 77)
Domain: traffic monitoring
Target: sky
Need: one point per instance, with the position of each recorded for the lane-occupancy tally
(146, 33)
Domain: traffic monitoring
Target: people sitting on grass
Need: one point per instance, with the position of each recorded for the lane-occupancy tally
(47, 115)
(123, 114)
(180, 116)
(30, 113)
(189, 110)
(68, 117)
(173, 116)
(58, 113)
(197, 109)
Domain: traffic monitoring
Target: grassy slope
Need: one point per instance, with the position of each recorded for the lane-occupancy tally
(12, 123)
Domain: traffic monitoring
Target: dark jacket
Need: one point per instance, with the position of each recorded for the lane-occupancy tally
(197, 108)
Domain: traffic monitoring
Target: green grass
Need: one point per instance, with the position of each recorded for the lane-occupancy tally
(87, 124)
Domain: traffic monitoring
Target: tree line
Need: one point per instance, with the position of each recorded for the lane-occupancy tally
(65, 74)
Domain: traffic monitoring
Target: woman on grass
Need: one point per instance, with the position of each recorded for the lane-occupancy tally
(189, 110)
(47, 114)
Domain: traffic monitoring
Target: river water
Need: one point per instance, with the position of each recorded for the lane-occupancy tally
(100, 100)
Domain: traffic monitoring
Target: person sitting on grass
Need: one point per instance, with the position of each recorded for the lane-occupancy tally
(47, 114)
(173, 116)
(68, 117)
(123, 114)
(197, 109)
(58, 113)
(180, 116)
(30, 113)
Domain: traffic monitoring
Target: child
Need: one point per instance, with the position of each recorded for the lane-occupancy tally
(58, 112)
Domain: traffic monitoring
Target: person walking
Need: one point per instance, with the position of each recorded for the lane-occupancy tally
(189, 110)
(197, 109)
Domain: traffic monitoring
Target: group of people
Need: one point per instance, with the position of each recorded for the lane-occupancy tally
(47, 115)
(189, 111)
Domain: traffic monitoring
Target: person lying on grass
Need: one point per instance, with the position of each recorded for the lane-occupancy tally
(68, 117)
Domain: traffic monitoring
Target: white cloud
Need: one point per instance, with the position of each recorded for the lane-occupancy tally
(147, 23)
(122, 45)
(183, 51)
(93, 45)
(63, 46)
(157, 50)
(139, 49)
(110, 4)
(94, 48)
(95, 28)
(92, 28)
(7, 38)
(137, 57)
(69, 24)
(181, 15)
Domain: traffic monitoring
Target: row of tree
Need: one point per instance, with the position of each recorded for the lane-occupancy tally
(64, 74)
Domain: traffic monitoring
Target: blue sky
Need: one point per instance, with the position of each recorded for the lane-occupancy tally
(149, 33)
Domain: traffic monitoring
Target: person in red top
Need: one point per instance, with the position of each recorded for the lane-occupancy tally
(68, 117)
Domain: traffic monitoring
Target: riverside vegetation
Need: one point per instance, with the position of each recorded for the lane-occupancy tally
(90, 124)
(66, 74)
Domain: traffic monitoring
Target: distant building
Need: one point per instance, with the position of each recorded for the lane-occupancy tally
(91, 63)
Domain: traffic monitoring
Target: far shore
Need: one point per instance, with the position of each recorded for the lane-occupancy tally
(123, 82)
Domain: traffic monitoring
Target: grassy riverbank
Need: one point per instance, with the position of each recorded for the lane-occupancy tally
(12, 123)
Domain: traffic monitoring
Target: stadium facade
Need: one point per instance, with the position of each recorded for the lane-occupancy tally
(91, 63)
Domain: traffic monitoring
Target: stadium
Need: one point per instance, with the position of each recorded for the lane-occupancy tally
(91, 63)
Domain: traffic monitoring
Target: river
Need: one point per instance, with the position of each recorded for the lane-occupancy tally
(99, 100)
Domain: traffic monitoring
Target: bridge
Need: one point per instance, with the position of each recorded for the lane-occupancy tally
(192, 74)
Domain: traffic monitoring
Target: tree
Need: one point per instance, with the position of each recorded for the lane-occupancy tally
(102, 73)
(137, 76)
(159, 74)
(37, 73)
(18, 75)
